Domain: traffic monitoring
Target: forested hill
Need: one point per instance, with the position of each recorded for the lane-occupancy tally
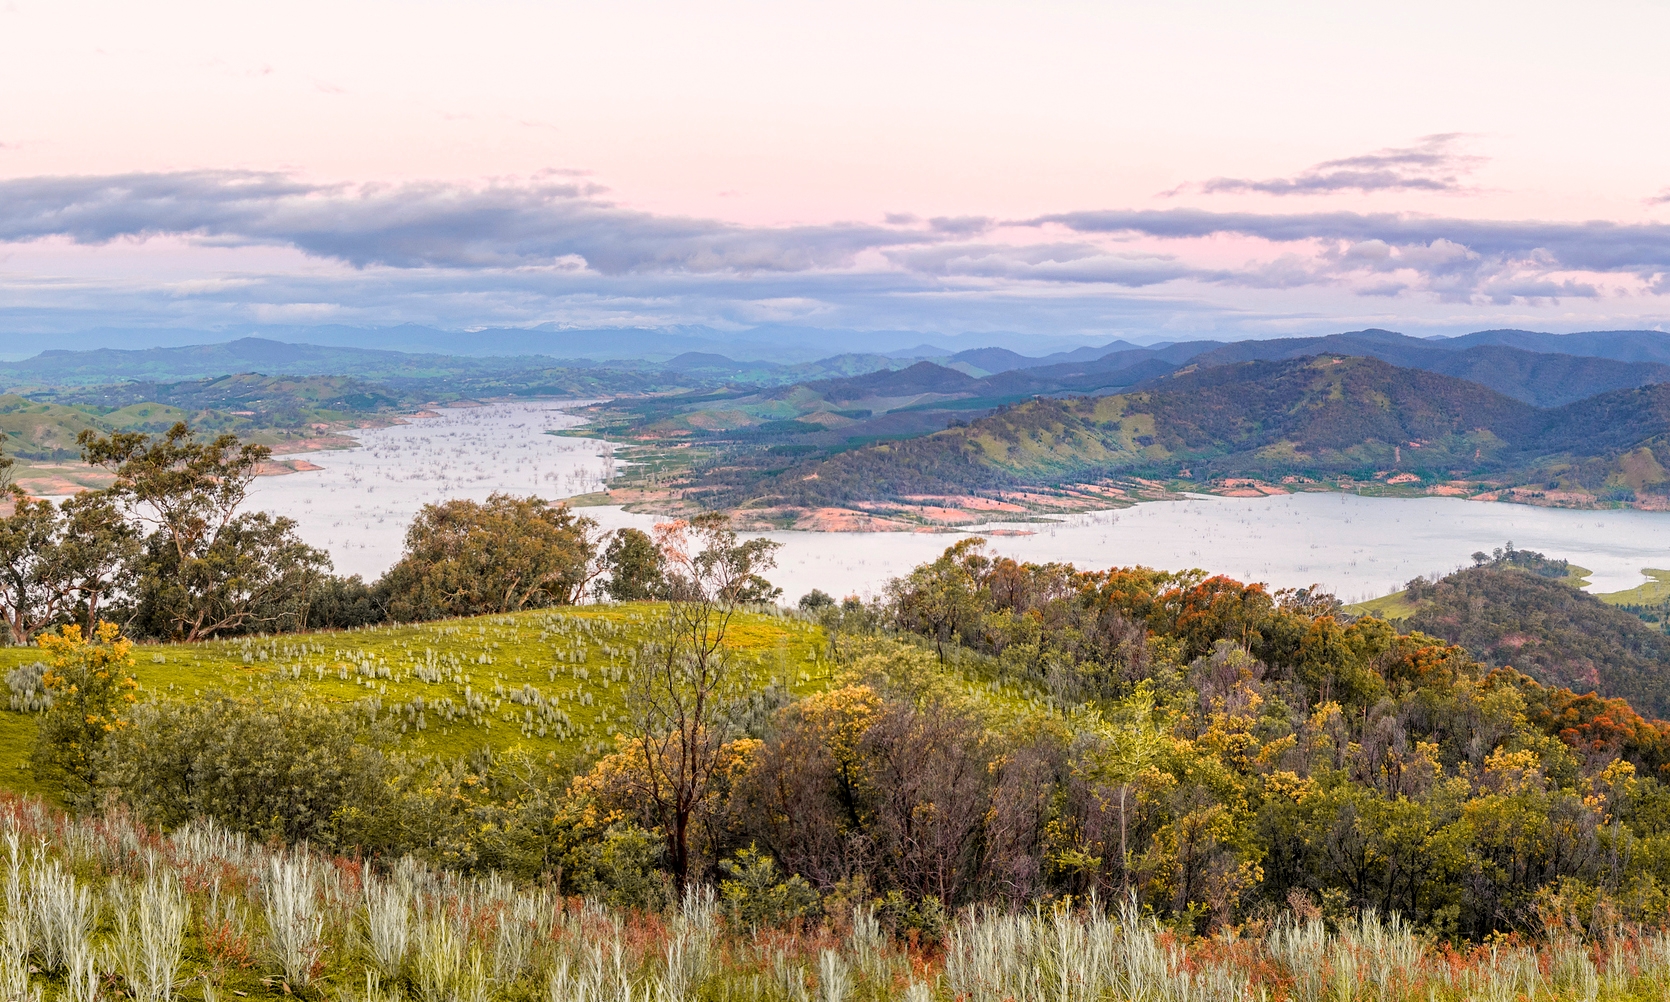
(1509, 615)
(1307, 418)
(1325, 413)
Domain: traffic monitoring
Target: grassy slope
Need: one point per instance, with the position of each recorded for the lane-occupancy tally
(1388, 607)
(577, 659)
(1653, 591)
(30, 428)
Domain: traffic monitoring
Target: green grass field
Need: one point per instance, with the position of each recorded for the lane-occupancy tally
(544, 681)
(1388, 607)
(1653, 591)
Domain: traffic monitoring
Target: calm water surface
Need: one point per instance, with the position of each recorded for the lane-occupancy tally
(359, 505)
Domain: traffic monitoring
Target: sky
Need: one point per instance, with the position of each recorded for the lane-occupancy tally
(1101, 169)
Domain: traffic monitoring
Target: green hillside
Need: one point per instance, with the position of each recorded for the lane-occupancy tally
(248, 398)
(39, 430)
(42, 431)
(1392, 608)
(545, 681)
(1308, 419)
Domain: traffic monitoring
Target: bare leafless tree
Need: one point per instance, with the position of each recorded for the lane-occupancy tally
(682, 686)
(933, 780)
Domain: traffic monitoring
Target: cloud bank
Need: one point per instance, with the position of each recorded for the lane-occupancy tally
(1459, 259)
(557, 247)
(425, 225)
(1433, 164)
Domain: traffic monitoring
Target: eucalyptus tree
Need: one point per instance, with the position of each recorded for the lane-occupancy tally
(635, 566)
(96, 557)
(207, 567)
(466, 558)
(31, 596)
(57, 562)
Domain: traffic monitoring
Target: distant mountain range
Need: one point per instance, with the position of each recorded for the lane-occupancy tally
(782, 343)
(1541, 369)
(827, 413)
(278, 358)
(1579, 418)
(58, 367)
(250, 354)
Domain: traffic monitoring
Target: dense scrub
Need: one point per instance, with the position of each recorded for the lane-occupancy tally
(990, 733)
(1241, 749)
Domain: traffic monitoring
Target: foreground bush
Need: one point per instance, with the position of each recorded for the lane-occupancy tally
(273, 768)
(87, 689)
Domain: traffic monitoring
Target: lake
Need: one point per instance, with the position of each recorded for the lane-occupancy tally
(359, 505)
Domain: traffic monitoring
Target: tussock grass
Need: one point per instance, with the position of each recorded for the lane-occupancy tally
(102, 908)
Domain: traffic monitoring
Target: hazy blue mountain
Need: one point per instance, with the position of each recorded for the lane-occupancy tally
(1543, 378)
(603, 343)
(693, 361)
(785, 343)
(1625, 346)
(104, 366)
(1107, 357)
(250, 354)
(1087, 354)
(1546, 380)
(989, 360)
(1543, 369)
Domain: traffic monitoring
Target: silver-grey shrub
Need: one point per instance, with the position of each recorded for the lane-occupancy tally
(64, 914)
(295, 924)
(149, 934)
(386, 925)
(29, 691)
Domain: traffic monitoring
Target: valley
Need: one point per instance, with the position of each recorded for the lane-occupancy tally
(958, 444)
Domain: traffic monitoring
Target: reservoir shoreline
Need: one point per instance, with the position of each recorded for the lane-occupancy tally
(358, 504)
